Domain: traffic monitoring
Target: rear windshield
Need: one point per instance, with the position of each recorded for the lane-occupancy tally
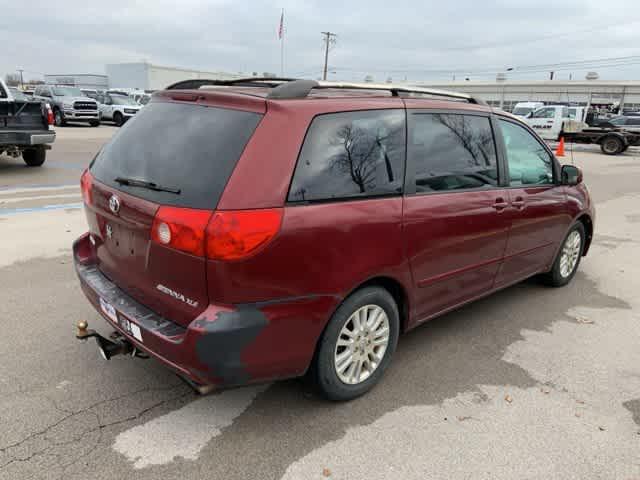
(191, 148)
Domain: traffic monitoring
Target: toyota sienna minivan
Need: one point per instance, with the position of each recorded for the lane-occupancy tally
(250, 230)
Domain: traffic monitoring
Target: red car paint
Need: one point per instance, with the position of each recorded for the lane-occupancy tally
(260, 317)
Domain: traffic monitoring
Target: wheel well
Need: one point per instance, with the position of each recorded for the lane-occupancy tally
(587, 223)
(396, 290)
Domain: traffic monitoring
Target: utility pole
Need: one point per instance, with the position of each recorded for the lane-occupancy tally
(551, 75)
(329, 38)
(21, 79)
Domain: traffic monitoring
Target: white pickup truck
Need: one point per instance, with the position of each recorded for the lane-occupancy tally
(554, 121)
(26, 127)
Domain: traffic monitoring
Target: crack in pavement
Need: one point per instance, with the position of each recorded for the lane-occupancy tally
(99, 426)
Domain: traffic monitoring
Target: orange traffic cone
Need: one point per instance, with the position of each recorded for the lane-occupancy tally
(560, 149)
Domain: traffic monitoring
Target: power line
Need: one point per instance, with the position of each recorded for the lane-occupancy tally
(580, 64)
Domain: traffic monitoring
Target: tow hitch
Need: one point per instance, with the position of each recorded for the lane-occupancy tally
(108, 347)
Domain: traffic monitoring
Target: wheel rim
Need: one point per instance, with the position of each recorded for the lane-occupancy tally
(570, 253)
(58, 118)
(611, 146)
(362, 344)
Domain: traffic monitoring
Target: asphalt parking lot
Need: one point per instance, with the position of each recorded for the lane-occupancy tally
(531, 382)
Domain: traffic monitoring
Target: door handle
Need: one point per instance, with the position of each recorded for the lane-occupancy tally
(518, 203)
(500, 204)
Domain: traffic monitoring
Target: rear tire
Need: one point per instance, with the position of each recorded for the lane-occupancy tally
(34, 157)
(567, 261)
(118, 119)
(377, 314)
(611, 145)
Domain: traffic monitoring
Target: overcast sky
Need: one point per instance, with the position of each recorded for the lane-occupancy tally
(420, 39)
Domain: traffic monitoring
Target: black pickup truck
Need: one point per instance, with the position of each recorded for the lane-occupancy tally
(26, 127)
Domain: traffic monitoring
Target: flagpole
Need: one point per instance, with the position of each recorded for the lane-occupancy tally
(282, 44)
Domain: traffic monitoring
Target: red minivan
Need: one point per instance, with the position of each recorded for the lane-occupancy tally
(261, 229)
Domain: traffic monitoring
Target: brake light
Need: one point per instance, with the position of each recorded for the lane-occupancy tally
(181, 228)
(232, 235)
(86, 182)
(49, 114)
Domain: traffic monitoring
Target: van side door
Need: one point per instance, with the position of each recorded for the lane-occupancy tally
(455, 218)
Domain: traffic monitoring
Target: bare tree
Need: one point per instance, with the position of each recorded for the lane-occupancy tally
(362, 149)
(12, 79)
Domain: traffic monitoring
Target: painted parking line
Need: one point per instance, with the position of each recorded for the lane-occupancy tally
(36, 187)
(17, 211)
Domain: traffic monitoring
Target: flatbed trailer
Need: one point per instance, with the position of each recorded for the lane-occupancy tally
(612, 141)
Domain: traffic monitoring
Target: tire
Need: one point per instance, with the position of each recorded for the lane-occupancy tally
(372, 302)
(94, 123)
(558, 276)
(611, 145)
(34, 157)
(58, 118)
(118, 119)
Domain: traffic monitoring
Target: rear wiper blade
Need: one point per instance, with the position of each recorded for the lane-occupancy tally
(135, 182)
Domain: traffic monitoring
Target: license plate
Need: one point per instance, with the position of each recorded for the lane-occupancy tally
(108, 310)
(129, 327)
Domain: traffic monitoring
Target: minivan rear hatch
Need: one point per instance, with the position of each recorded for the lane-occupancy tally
(172, 157)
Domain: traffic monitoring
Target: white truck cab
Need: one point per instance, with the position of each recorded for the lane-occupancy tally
(550, 120)
(522, 109)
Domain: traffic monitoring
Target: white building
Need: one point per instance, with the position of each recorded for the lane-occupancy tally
(80, 80)
(505, 94)
(146, 76)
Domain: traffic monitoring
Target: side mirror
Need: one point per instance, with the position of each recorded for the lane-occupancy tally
(571, 175)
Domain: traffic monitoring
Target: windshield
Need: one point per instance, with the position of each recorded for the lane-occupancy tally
(67, 92)
(17, 94)
(120, 100)
(522, 111)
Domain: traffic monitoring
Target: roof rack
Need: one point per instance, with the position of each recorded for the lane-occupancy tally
(236, 82)
(290, 88)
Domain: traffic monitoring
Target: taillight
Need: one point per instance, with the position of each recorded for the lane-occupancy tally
(86, 181)
(181, 228)
(232, 235)
(49, 114)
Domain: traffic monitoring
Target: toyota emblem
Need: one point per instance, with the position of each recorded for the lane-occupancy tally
(114, 204)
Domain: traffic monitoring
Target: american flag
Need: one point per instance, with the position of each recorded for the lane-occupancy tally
(281, 28)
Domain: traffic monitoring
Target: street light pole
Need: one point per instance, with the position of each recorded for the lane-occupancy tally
(21, 79)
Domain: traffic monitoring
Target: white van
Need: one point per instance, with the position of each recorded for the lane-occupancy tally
(522, 109)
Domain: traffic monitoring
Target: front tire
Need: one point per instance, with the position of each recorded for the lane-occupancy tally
(567, 261)
(357, 344)
(118, 119)
(34, 157)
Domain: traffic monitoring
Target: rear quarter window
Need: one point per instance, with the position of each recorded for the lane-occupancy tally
(191, 148)
(351, 155)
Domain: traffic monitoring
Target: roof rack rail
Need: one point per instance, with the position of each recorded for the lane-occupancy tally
(302, 88)
(291, 88)
(242, 82)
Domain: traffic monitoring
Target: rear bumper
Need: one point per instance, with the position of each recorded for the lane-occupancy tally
(225, 345)
(27, 138)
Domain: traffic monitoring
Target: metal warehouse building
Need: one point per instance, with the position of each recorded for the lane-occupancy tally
(146, 76)
(505, 94)
(81, 80)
